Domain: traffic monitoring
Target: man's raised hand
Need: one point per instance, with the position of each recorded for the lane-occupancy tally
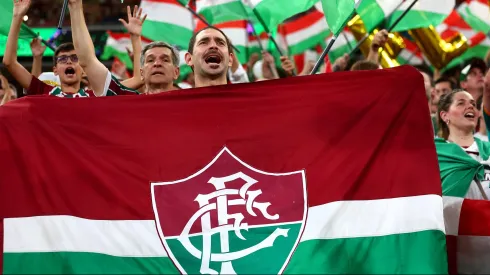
(21, 7)
(37, 48)
(135, 22)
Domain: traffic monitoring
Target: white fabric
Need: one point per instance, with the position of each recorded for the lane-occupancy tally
(239, 76)
(474, 191)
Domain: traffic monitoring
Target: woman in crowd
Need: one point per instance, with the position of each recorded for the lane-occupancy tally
(463, 159)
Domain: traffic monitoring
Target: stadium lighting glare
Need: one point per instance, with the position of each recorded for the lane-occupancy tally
(26, 17)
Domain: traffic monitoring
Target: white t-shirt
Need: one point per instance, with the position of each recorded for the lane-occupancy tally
(474, 191)
(480, 136)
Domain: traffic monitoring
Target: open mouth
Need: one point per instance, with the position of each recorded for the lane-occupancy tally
(157, 73)
(212, 59)
(469, 115)
(70, 71)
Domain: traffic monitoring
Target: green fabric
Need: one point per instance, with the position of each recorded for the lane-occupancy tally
(457, 168)
(337, 13)
(371, 14)
(6, 8)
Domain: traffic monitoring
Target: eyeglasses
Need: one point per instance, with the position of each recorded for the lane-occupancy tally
(63, 59)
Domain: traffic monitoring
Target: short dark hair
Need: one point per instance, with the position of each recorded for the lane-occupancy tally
(192, 42)
(364, 65)
(161, 44)
(65, 47)
(446, 79)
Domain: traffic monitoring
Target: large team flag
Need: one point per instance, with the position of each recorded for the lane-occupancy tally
(6, 9)
(467, 221)
(305, 31)
(220, 11)
(168, 21)
(476, 14)
(268, 177)
(423, 14)
(274, 12)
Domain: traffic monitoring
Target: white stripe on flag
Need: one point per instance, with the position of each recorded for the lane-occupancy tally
(124, 238)
(133, 238)
(352, 219)
(203, 4)
(452, 211)
(238, 36)
(167, 13)
(435, 6)
(308, 32)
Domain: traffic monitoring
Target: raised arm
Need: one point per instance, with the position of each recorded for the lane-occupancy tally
(379, 41)
(37, 50)
(20, 73)
(134, 26)
(96, 72)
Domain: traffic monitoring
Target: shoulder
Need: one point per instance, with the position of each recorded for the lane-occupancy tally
(116, 88)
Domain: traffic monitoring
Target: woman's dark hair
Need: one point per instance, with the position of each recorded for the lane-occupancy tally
(444, 103)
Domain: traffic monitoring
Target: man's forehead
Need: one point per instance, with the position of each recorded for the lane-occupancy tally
(210, 33)
(159, 51)
(476, 70)
(72, 52)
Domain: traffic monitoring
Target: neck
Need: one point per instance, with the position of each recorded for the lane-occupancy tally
(70, 88)
(201, 81)
(461, 137)
(475, 93)
(159, 88)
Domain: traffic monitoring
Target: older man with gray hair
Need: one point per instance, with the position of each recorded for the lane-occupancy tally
(159, 67)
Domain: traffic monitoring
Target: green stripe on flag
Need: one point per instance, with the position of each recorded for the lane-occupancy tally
(375, 255)
(381, 254)
(172, 34)
(274, 12)
(337, 13)
(308, 43)
(231, 11)
(415, 19)
(84, 263)
(371, 14)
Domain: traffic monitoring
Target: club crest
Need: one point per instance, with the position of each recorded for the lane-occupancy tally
(230, 218)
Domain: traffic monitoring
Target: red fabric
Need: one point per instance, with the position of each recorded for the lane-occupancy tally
(452, 247)
(37, 87)
(95, 157)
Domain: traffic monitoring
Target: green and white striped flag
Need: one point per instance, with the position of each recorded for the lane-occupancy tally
(274, 12)
(477, 14)
(343, 44)
(373, 12)
(423, 14)
(220, 11)
(305, 32)
(116, 45)
(338, 12)
(167, 21)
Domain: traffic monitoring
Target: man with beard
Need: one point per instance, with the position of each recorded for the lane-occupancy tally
(210, 56)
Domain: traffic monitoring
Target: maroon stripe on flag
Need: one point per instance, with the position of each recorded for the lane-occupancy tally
(475, 218)
(452, 248)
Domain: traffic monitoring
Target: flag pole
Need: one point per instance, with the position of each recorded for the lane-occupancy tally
(46, 43)
(203, 20)
(346, 40)
(322, 57)
(62, 15)
(268, 31)
(366, 36)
